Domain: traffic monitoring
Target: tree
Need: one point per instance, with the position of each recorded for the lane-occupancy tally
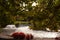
(41, 14)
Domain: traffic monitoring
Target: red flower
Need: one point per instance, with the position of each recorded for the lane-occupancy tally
(20, 35)
(57, 38)
(15, 34)
(29, 36)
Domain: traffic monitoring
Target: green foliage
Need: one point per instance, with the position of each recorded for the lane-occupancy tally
(46, 14)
